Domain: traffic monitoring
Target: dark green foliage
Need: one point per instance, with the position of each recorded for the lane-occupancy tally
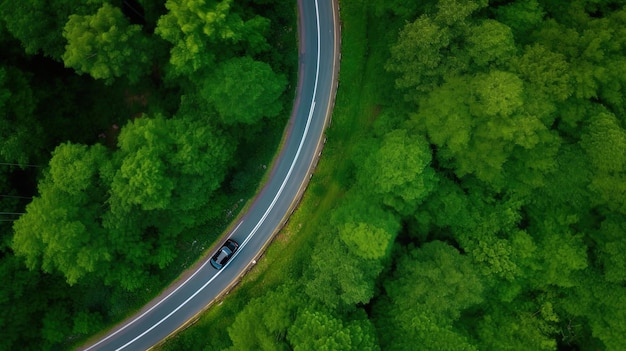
(244, 90)
(38, 24)
(485, 211)
(21, 135)
(117, 175)
(528, 129)
(427, 292)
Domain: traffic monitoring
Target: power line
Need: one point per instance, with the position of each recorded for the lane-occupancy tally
(19, 165)
(17, 197)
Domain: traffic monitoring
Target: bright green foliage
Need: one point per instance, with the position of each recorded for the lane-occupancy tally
(338, 277)
(561, 254)
(400, 171)
(365, 240)
(59, 232)
(115, 209)
(142, 178)
(478, 126)
(498, 94)
(199, 29)
(491, 42)
(515, 329)
(525, 115)
(604, 142)
(165, 162)
(284, 319)
(244, 91)
(168, 173)
(594, 46)
(455, 12)
(263, 323)
(106, 46)
(547, 73)
(612, 247)
(98, 210)
(345, 264)
(429, 289)
(419, 55)
(316, 330)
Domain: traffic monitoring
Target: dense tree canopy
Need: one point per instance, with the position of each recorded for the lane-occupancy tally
(484, 208)
(116, 161)
(106, 46)
(38, 24)
(18, 130)
(244, 91)
(198, 30)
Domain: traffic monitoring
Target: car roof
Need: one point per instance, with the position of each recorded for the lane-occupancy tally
(224, 253)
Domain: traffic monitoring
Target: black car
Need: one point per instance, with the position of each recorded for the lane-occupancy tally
(224, 254)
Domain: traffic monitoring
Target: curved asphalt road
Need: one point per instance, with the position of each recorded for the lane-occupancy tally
(185, 299)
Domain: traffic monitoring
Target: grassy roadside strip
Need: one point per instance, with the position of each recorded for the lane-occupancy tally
(355, 106)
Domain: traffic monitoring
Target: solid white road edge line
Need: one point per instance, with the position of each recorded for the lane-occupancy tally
(266, 212)
(156, 304)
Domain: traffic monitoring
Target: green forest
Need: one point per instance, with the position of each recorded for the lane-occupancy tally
(471, 196)
(131, 134)
(476, 167)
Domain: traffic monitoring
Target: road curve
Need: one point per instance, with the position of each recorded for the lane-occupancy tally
(180, 303)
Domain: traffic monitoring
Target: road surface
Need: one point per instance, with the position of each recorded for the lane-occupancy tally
(185, 299)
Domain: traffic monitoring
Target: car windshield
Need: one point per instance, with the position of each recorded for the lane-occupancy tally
(222, 256)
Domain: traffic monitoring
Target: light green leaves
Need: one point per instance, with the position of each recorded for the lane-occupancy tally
(201, 30)
(400, 171)
(59, 231)
(316, 330)
(366, 240)
(244, 91)
(498, 93)
(427, 292)
(419, 53)
(491, 42)
(106, 46)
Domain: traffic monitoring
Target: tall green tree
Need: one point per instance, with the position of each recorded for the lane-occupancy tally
(264, 322)
(604, 141)
(106, 46)
(244, 91)
(200, 31)
(60, 231)
(429, 289)
(317, 330)
(399, 171)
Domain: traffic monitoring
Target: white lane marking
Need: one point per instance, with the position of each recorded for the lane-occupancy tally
(306, 129)
(156, 304)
